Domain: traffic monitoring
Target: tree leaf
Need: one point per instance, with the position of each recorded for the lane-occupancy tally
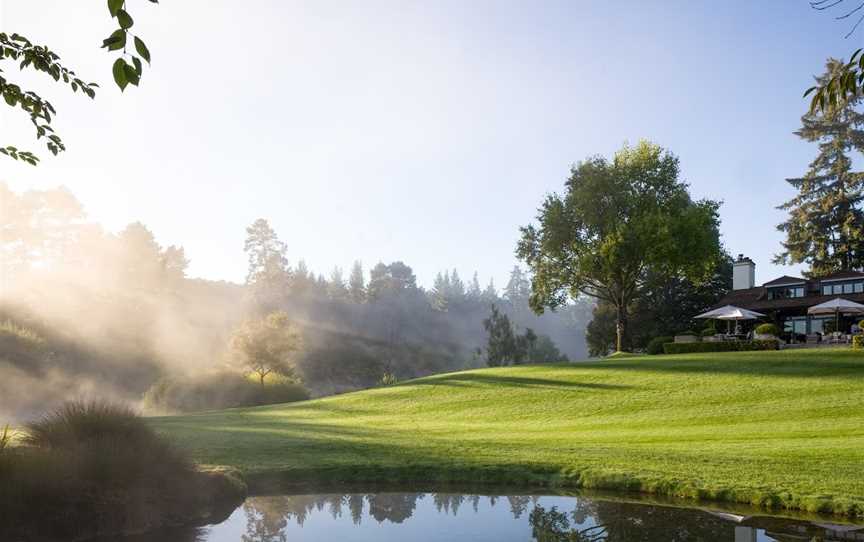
(131, 75)
(138, 68)
(124, 19)
(114, 6)
(117, 40)
(119, 71)
(142, 49)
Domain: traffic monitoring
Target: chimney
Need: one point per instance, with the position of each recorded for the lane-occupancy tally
(743, 273)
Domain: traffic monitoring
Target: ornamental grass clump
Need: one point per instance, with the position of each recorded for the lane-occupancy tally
(95, 469)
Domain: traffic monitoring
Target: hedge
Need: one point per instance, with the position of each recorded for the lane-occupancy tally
(656, 345)
(858, 342)
(768, 329)
(725, 346)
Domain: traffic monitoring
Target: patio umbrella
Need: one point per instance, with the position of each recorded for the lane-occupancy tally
(730, 313)
(837, 306)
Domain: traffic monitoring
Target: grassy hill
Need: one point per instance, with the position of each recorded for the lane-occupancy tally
(783, 429)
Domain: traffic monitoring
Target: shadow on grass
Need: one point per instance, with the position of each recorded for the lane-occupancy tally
(468, 379)
(838, 364)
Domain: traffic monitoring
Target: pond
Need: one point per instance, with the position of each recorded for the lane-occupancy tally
(392, 516)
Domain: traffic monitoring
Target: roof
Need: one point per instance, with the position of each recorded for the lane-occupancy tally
(785, 279)
(756, 299)
(841, 275)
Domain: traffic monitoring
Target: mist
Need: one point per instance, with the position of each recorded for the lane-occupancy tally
(88, 313)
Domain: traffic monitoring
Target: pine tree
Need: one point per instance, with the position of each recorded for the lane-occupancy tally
(439, 296)
(825, 228)
(490, 294)
(336, 288)
(268, 272)
(474, 291)
(356, 284)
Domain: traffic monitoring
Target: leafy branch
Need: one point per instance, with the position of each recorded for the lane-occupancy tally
(848, 81)
(125, 73)
(16, 48)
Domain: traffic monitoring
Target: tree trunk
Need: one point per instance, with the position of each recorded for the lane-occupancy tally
(620, 328)
(261, 376)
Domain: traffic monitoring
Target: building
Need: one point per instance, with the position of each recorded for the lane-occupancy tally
(785, 300)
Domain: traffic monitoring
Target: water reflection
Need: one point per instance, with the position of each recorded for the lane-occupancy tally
(447, 516)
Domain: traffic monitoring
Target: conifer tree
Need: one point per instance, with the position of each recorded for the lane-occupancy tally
(336, 288)
(356, 284)
(474, 291)
(825, 228)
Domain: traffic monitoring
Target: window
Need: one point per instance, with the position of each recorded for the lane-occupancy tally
(859, 287)
(838, 289)
(783, 293)
(817, 325)
(826, 290)
(796, 325)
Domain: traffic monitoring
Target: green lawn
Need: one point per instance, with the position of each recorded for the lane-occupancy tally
(771, 428)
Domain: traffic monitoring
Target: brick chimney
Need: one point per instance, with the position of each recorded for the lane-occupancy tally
(743, 273)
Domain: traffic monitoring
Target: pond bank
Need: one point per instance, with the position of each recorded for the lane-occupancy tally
(212, 496)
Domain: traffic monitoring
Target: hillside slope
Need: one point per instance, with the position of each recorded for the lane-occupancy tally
(781, 429)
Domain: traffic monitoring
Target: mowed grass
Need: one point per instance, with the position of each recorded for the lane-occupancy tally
(780, 429)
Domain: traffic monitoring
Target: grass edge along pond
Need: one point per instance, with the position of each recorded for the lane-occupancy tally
(781, 430)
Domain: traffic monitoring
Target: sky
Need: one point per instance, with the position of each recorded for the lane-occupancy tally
(426, 132)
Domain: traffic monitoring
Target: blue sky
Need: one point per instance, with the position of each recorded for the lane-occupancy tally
(420, 131)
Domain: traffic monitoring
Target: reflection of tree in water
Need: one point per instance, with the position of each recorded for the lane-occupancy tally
(519, 504)
(593, 521)
(589, 521)
(554, 526)
(395, 507)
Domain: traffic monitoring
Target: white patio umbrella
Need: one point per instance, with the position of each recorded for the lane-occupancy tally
(730, 313)
(837, 306)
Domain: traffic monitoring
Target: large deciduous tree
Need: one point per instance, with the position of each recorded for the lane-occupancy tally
(616, 220)
(825, 228)
(666, 308)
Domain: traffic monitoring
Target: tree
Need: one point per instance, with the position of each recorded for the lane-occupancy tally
(390, 281)
(21, 52)
(500, 342)
(825, 227)
(475, 293)
(267, 345)
(666, 308)
(503, 345)
(336, 288)
(268, 272)
(616, 220)
(356, 285)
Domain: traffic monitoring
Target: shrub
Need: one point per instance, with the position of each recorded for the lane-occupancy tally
(214, 391)
(5, 438)
(725, 346)
(858, 342)
(687, 332)
(655, 346)
(709, 332)
(829, 326)
(388, 379)
(768, 329)
(90, 469)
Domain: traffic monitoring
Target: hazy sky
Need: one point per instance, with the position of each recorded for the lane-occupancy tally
(420, 131)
